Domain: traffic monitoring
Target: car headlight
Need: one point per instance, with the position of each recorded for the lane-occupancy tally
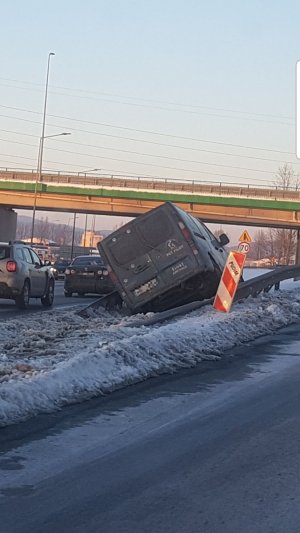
(67, 271)
(105, 272)
(100, 272)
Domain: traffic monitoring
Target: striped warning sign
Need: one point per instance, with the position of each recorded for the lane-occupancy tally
(229, 281)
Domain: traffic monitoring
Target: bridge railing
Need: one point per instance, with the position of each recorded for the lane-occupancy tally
(152, 184)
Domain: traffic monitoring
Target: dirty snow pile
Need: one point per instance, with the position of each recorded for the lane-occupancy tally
(49, 360)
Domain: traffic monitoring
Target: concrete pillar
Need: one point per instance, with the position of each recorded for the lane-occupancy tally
(297, 259)
(8, 224)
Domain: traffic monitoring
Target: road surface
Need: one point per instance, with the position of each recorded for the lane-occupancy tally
(213, 449)
(8, 308)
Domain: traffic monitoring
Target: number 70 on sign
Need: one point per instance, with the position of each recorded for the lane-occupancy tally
(244, 247)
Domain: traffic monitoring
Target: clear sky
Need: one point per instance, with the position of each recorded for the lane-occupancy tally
(213, 80)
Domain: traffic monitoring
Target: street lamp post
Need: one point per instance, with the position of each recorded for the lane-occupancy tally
(41, 144)
(86, 215)
(85, 230)
(44, 114)
(73, 236)
(39, 175)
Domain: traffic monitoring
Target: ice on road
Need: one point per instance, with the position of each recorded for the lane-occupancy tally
(49, 360)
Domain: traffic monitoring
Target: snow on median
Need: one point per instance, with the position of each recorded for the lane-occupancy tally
(54, 359)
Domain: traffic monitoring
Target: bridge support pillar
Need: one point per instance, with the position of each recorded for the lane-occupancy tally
(8, 224)
(297, 258)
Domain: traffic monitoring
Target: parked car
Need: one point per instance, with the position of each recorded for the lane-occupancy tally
(23, 275)
(87, 274)
(164, 258)
(59, 268)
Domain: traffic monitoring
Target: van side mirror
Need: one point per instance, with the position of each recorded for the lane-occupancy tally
(223, 239)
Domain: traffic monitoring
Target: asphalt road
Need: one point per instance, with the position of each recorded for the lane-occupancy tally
(213, 449)
(8, 308)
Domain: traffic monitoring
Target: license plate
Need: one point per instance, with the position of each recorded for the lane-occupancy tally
(87, 273)
(146, 287)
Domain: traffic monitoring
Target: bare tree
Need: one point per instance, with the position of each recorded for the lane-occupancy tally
(283, 245)
(62, 234)
(260, 246)
(284, 240)
(286, 178)
(23, 230)
(42, 229)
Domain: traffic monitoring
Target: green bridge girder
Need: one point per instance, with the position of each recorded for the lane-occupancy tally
(280, 208)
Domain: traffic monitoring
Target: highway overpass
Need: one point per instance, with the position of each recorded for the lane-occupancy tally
(128, 196)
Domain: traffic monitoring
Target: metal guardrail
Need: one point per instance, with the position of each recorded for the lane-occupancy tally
(265, 282)
(154, 184)
(252, 287)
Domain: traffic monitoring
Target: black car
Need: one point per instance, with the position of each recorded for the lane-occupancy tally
(87, 274)
(59, 267)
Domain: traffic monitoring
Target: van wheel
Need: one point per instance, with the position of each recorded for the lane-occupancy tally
(22, 301)
(47, 300)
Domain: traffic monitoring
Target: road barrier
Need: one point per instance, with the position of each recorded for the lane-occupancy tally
(229, 281)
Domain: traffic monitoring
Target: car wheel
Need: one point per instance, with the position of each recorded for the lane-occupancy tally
(22, 301)
(68, 294)
(47, 300)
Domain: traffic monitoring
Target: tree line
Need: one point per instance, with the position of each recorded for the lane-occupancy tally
(44, 230)
(276, 244)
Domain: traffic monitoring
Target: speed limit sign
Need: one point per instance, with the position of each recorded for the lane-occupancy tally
(244, 247)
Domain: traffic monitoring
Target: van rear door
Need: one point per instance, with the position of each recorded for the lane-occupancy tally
(149, 256)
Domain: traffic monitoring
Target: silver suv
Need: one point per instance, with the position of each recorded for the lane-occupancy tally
(24, 276)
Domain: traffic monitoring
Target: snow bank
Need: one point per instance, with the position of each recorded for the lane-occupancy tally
(54, 359)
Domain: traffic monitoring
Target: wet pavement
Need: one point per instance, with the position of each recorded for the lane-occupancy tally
(212, 449)
(8, 308)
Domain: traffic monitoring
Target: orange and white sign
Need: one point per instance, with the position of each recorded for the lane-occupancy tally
(245, 237)
(229, 281)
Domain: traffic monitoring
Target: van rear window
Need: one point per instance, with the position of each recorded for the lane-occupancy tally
(4, 252)
(142, 238)
(155, 230)
(126, 248)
